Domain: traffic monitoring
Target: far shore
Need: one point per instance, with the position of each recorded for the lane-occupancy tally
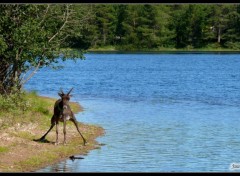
(165, 50)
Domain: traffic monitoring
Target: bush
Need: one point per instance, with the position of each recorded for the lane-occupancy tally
(21, 108)
(13, 102)
(233, 45)
(213, 46)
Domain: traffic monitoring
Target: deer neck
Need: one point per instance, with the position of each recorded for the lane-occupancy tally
(60, 108)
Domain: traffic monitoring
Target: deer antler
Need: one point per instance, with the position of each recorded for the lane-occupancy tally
(69, 91)
(61, 91)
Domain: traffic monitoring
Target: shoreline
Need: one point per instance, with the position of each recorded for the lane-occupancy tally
(166, 51)
(19, 153)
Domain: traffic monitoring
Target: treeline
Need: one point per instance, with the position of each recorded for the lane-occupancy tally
(150, 26)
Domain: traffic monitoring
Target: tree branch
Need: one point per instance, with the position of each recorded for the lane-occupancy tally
(44, 15)
(31, 75)
(66, 20)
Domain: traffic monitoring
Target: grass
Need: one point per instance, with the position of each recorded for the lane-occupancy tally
(104, 48)
(24, 135)
(3, 149)
(35, 161)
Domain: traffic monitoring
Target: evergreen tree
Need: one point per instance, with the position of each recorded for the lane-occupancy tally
(180, 24)
(232, 33)
(106, 21)
(121, 12)
(163, 28)
(130, 24)
(218, 22)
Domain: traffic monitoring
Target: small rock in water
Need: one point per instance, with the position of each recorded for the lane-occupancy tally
(75, 157)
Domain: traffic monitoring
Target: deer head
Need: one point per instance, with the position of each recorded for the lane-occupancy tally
(65, 97)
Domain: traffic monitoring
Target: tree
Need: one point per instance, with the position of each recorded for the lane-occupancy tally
(87, 35)
(129, 25)
(32, 37)
(163, 28)
(195, 25)
(140, 27)
(232, 33)
(180, 24)
(148, 27)
(120, 31)
(105, 21)
(218, 21)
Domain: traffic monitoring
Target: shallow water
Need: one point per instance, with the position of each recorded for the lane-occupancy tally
(161, 112)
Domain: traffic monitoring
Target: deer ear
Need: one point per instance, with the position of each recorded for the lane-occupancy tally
(60, 94)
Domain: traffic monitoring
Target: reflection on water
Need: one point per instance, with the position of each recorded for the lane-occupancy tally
(161, 112)
(60, 167)
(67, 165)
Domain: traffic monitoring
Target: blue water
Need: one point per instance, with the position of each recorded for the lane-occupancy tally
(160, 112)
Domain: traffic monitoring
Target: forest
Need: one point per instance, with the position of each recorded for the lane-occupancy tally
(162, 26)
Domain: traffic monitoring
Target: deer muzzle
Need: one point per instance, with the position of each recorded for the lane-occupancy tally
(65, 107)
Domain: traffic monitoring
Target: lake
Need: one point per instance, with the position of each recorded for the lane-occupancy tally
(160, 112)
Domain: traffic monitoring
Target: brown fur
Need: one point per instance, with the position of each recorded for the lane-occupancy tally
(62, 113)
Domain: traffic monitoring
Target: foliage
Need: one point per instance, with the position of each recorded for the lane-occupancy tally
(32, 37)
(22, 108)
(13, 102)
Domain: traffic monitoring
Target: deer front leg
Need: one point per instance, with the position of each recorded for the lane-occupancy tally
(64, 131)
(56, 143)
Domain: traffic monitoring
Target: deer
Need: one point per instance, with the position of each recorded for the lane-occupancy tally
(62, 113)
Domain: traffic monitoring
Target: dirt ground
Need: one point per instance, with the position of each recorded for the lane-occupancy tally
(20, 153)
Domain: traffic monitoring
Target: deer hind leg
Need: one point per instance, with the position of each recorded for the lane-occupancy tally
(73, 119)
(52, 125)
(43, 137)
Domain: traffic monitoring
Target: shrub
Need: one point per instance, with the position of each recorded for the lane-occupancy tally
(233, 45)
(13, 102)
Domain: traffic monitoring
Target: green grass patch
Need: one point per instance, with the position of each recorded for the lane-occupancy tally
(103, 48)
(24, 135)
(36, 161)
(60, 151)
(3, 149)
